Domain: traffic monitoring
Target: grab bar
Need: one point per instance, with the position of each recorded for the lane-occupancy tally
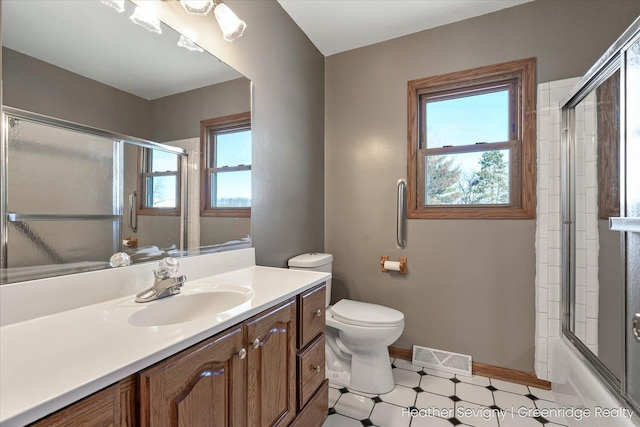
(401, 241)
(133, 197)
(16, 217)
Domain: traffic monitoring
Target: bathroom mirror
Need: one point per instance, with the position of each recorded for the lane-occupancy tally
(74, 69)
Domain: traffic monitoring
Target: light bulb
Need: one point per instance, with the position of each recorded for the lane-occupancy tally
(232, 27)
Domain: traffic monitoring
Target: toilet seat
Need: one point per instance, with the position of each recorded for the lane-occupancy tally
(365, 314)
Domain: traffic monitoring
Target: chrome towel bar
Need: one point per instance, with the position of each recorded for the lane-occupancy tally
(624, 224)
(16, 217)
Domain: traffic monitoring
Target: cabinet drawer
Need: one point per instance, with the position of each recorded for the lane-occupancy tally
(315, 412)
(312, 312)
(310, 370)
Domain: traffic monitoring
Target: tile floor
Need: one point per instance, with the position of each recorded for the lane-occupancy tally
(424, 397)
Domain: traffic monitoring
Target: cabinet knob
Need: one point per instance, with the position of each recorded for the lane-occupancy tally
(318, 368)
(242, 353)
(256, 343)
(319, 313)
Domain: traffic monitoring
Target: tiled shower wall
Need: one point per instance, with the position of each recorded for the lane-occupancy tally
(548, 222)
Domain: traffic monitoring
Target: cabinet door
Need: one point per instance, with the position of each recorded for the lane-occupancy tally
(271, 366)
(202, 386)
(102, 409)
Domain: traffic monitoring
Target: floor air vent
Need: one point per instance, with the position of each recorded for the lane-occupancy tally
(442, 360)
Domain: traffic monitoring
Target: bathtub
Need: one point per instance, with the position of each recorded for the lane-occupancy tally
(574, 385)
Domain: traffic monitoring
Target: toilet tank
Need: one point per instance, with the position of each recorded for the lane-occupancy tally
(314, 262)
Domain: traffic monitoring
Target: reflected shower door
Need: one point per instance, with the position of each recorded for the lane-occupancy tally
(60, 190)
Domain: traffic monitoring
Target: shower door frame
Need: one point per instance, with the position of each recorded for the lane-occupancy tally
(612, 61)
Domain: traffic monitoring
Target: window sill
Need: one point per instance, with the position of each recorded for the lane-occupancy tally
(470, 213)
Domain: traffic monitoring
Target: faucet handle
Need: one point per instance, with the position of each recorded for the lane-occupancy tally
(120, 259)
(167, 267)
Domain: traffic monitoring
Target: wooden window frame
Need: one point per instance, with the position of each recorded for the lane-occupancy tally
(144, 165)
(232, 122)
(517, 76)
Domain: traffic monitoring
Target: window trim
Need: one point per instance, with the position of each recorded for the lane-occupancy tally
(143, 167)
(219, 124)
(521, 73)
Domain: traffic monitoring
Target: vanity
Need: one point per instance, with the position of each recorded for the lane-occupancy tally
(240, 345)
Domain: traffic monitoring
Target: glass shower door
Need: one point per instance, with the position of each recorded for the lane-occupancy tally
(633, 211)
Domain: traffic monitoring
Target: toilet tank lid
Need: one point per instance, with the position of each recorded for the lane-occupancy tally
(309, 260)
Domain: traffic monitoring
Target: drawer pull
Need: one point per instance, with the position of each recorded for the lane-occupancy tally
(319, 313)
(318, 368)
(242, 353)
(256, 343)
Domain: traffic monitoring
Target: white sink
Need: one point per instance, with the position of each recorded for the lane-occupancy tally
(184, 307)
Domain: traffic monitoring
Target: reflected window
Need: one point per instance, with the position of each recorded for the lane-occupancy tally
(226, 172)
(472, 143)
(159, 182)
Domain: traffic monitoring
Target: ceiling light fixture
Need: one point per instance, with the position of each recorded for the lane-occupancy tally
(189, 45)
(197, 7)
(232, 27)
(118, 5)
(146, 19)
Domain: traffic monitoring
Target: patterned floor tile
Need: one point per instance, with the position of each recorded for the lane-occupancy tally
(424, 397)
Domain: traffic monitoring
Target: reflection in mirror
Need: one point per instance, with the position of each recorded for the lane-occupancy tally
(62, 191)
(225, 196)
(86, 63)
(598, 273)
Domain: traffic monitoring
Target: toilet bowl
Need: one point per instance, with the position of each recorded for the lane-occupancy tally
(357, 336)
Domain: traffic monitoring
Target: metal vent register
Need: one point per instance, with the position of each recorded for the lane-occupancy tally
(442, 360)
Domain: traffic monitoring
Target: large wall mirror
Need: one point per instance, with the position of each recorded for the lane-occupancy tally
(103, 145)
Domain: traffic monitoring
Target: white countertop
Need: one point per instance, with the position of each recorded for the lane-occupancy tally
(49, 362)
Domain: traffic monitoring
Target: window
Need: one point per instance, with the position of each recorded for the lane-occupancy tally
(160, 182)
(472, 143)
(226, 169)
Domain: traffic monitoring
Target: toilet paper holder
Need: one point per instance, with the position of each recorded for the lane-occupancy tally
(387, 266)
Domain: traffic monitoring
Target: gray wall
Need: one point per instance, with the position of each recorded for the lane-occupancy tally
(470, 285)
(34, 85)
(287, 73)
(178, 116)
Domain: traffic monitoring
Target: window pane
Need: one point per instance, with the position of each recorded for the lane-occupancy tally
(233, 148)
(468, 120)
(480, 178)
(162, 161)
(231, 189)
(162, 191)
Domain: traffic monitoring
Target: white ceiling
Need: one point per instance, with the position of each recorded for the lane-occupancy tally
(336, 26)
(93, 40)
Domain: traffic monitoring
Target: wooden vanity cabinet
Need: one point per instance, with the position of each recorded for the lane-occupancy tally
(201, 386)
(265, 371)
(313, 392)
(271, 366)
(113, 406)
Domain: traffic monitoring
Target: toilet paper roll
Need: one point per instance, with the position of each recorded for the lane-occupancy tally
(392, 265)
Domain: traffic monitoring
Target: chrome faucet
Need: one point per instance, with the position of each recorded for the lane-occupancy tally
(164, 285)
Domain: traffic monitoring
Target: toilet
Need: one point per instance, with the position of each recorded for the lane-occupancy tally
(357, 335)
